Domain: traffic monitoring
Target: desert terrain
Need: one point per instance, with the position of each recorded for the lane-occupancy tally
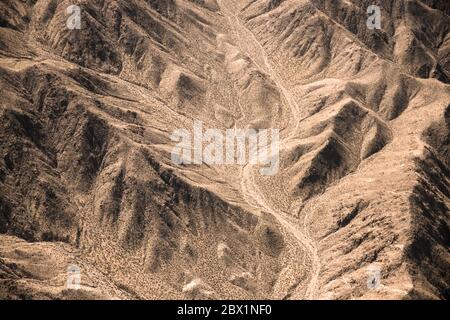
(87, 176)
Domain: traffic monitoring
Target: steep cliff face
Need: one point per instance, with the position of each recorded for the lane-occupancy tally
(86, 175)
(430, 207)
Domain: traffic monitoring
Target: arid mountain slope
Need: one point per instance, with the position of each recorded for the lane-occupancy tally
(86, 175)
